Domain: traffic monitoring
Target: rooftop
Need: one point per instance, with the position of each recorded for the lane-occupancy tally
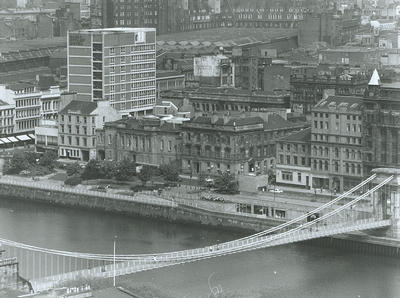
(222, 37)
(301, 136)
(230, 121)
(20, 86)
(350, 50)
(143, 123)
(350, 103)
(168, 73)
(83, 107)
(115, 30)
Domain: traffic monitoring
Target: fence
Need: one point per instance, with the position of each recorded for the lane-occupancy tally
(79, 191)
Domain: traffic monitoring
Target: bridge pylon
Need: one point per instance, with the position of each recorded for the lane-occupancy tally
(386, 201)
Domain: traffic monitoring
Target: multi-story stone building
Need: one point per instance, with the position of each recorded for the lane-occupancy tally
(7, 112)
(239, 144)
(169, 80)
(307, 90)
(147, 141)
(381, 125)
(116, 64)
(77, 124)
(209, 100)
(293, 159)
(249, 65)
(327, 27)
(27, 105)
(336, 133)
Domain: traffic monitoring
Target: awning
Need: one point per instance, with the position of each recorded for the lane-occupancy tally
(23, 138)
(1, 143)
(32, 136)
(5, 140)
(13, 139)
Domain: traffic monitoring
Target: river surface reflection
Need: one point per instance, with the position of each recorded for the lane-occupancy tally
(288, 271)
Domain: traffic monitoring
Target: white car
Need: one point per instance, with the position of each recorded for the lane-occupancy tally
(276, 190)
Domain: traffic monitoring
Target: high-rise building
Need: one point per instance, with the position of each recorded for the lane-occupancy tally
(115, 64)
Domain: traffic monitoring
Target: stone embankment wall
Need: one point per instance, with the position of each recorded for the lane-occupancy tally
(180, 214)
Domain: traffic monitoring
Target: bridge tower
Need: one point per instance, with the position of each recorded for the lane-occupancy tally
(386, 201)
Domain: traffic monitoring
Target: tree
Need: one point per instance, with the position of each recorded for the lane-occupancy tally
(73, 169)
(226, 183)
(48, 159)
(202, 179)
(93, 170)
(125, 170)
(145, 174)
(108, 169)
(170, 172)
(17, 163)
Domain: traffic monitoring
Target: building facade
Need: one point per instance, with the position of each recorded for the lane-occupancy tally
(239, 144)
(118, 65)
(293, 159)
(308, 90)
(169, 80)
(147, 141)
(381, 128)
(336, 147)
(77, 124)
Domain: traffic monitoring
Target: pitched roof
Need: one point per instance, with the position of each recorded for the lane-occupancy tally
(232, 121)
(277, 122)
(302, 136)
(375, 79)
(83, 107)
(352, 103)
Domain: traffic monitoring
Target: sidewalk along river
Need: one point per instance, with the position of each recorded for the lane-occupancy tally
(288, 271)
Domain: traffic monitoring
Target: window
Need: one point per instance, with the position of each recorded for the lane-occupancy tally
(169, 145)
(287, 176)
(295, 160)
(288, 159)
(162, 145)
(112, 51)
(298, 177)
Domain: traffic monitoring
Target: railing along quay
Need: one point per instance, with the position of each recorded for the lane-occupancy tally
(80, 191)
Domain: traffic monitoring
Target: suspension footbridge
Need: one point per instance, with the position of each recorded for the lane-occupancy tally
(46, 268)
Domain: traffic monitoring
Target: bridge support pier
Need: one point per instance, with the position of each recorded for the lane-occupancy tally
(386, 201)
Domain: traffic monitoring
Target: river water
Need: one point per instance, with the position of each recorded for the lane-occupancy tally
(288, 271)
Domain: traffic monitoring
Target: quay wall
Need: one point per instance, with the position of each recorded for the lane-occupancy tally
(187, 214)
(182, 214)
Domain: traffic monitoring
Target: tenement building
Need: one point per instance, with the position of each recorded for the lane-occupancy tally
(381, 126)
(293, 159)
(307, 90)
(117, 64)
(336, 132)
(77, 124)
(239, 144)
(147, 141)
(209, 100)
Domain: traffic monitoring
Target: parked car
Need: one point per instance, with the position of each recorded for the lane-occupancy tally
(276, 190)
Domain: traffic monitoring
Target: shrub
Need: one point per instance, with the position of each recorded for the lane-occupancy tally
(39, 170)
(73, 181)
(170, 172)
(73, 169)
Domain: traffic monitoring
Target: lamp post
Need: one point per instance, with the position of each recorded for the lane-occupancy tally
(115, 272)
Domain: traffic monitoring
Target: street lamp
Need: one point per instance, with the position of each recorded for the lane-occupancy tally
(115, 273)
